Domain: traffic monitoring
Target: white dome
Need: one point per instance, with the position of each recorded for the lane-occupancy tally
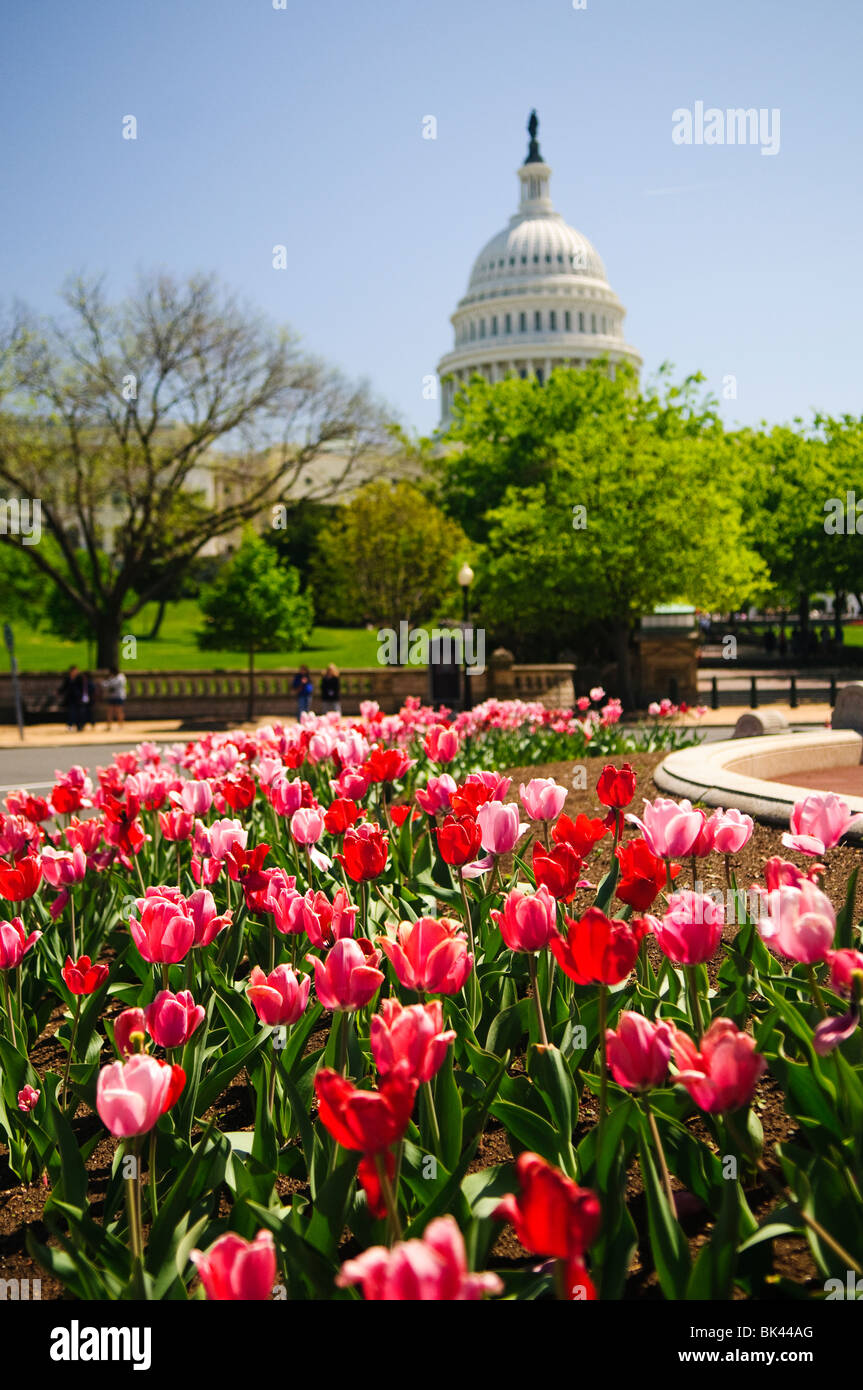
(532, 248)
(538, 297)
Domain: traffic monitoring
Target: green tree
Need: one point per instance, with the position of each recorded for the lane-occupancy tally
(388, 555)
(254, 605)
(594, 503)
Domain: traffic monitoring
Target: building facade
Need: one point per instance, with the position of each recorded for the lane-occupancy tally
(538, 297)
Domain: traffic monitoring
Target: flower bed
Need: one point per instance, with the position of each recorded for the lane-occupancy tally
(343, 1021)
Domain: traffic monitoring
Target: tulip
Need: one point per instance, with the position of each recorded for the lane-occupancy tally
(411, 1036)
(580, 834)
(553, 1216)
(387, 764)
(597, 950)
(278, 998)
(669, 829)
(176, 826)
(223, 836)
(615, 789)
(798, 922)
(165, 933)
(691, 928)
(20, 879)
(131, 1096)
(28, 1099)
(286, 796)
(429, 955)
(129, 1029)
(171, 1019)
(83, 978)
(61, 869)
(433, 1269)
(844, 965)
(325, 921)
(15, 943)
(340, 815)
(731, 830)
(441, 743)
(201, 907)
(307, 825)
(639, 1051)
(642, 874)
(818, 822)
(349, 976)
(436, 795)
(194, 798)
(234, 1269)
(364, 852)
(721, 1076)
(528, 920)
(458, 840)
(500, 827)
(542, 798)
(557, 871)
(365, 1121)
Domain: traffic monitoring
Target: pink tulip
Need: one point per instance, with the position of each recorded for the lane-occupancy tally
(844, 965)
(351, 783)
(542, 798)
(528, 921)
(670, 829)
(171, 1019)
(176, 826)
(165, 933)
(433, 1269)
(722, 1076)
(500, 826)
(15, 943)
(307, 825)
(201, 907)
(411, 1036)
(223, 835)
(798, 922)
(28, 1099)
(349, 976)
(130, 1096)
(286, 797)
(238, 1270)
(195, 798)
(325, 921)
(61, 869)
(731, 830)
(781, 873)
(638, 1051)
(441, 743)
(280, 997)
(436, 795)
(818, 822)
(429, 955)
(126, 1025)
(691, 928)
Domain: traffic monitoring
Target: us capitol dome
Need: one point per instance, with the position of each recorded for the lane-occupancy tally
(538, 297)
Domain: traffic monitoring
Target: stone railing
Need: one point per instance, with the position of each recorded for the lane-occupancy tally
(203, 697)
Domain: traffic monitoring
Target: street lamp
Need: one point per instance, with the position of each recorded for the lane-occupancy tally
(465, 579)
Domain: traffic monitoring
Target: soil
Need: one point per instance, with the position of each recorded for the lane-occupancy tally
(21, 1207)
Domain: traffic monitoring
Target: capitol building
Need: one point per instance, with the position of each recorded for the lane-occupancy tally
(537, 298)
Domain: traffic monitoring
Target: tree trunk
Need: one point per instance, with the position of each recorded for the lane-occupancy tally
(803, 615)
(157, 621)
(250, 709)
(107, 629)
(838, 609)
(623, 656)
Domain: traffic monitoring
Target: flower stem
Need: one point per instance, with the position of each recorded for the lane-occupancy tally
(63, 1088)
(393, 1222)
(660, 1153)
(9, 1008)
(467, 917)
(435, 1127)
(816, 993)
(537, 1002)
(603, 1060)
(694, 1001)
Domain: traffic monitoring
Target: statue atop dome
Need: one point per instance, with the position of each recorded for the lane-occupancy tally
(533, 154)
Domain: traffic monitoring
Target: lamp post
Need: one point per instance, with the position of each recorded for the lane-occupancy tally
(465, 579)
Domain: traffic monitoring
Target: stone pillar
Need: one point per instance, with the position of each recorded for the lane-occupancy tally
(501, 678)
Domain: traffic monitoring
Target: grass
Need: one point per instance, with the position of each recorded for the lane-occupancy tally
(176, 649)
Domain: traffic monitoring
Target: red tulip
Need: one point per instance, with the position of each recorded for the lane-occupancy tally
(429, 955)
(441, 743)
(642, 874)
(616, 786)
(558, 871)
(340, 815)
(20, 879)
(413, 1037)
(580, 834)
(364, 852)
(239, 790)
(386, 764)
(365, 1121)
(553, 1216)
(83, 978)
(130, 1023)
(234, 1269)
(597, 950)
(459, 840)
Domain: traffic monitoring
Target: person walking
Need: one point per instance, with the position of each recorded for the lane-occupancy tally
(330, 690)
(303, 689)
(71, 694)
(88, 701)
(114, 690)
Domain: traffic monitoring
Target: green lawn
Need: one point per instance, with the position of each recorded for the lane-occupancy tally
(176, 649)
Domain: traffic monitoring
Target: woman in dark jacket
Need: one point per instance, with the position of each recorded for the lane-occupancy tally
(71, 694)
(330, 689)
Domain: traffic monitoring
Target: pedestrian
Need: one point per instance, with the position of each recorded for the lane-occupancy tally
(330, 688)
(71, 694)
(114, 690)
(88, 701)
(303, 688)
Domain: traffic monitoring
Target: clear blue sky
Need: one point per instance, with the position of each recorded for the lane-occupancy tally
(303, 126)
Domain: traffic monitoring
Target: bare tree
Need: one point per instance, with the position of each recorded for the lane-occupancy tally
(149, 428)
